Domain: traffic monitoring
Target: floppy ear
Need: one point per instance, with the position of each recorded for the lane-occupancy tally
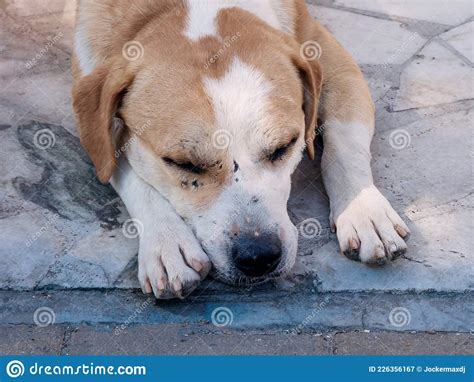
(96, 98)
(311, 77)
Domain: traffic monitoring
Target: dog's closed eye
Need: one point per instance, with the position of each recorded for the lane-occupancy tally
(280, 152)
(185, 166)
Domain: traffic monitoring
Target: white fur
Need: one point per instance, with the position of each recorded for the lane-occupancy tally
(360, 213)
(83, 50)
(168, 249)
(202, 15)
(346, 161)
(285, 13)
(241, 100)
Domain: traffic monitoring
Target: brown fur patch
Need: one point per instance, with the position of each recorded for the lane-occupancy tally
(277, 56)
(167, 88)
(95, 101)
(345, 96)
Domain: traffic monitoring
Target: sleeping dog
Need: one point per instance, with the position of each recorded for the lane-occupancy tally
(198, 112)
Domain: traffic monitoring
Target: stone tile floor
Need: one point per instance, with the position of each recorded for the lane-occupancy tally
(61, 229)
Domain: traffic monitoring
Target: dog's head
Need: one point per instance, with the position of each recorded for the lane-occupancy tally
(217, 126)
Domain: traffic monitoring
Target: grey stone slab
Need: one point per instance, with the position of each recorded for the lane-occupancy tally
(98, 259)
(36, 61)
(435, 76)
(23, 264)
(428, 182)
(201, 339)
(387, 343)
(60, 227)
(461, 39)
(185, 339)
(443, 12)
(370, 40)
(436, 200)
(31, 339)
(23, 8)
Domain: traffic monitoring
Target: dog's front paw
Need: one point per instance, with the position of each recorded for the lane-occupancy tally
(370, 230)
(171, 263)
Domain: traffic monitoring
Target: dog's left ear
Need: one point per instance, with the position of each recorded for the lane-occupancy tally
(312, 80)
(96, 99)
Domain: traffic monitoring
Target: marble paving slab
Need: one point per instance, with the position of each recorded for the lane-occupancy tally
(60, 228)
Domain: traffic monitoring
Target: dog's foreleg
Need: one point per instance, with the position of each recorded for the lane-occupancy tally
(368, 229)
(171, 262)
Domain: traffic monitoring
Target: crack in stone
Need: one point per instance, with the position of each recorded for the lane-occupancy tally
(411, 22)
(444, 208)
(445, 44)
(413, 260)
(65, 340)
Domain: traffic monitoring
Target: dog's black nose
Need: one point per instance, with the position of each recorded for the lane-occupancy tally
(257, 256)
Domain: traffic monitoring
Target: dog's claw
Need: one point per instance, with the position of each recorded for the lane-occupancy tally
(147, 289)
(202, 268)
(352, 254)
(405, 233)
(177, 286)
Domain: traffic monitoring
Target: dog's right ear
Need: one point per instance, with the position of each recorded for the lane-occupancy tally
(96, 98)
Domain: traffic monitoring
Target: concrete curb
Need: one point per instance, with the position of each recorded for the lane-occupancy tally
(294, 312)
